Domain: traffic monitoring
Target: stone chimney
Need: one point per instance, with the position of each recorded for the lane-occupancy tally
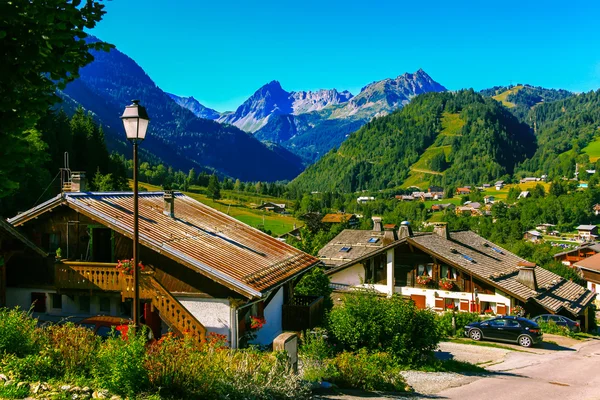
(78, 182)
(527, 274)
(169, 199)
(377, 225)
(405, 230)
(441, 229)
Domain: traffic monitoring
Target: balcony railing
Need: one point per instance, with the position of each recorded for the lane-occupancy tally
(88, 276)
(303, 312)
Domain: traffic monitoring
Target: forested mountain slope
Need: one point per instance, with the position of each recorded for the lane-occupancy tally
(488, 143)
(175, 134)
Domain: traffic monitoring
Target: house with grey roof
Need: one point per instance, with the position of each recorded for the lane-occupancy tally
(446, 270)
(587, 233)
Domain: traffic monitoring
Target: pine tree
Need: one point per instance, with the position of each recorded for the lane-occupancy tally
(214, 188)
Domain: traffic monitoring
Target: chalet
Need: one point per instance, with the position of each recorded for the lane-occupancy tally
(275, 207)
(364, 199)
(438, 195)
(587, 233)
(544, 227)
(463, 191)
(590, 271)
(204, 271)
(499, 185)
(435, 189)
(340, 218)
(404, 197)
(533, 236)
(596, 209)
(573, 256)
(524, 194)
(529, 179)
(444, 270)
(488, 199)
(442, 206)
(486, 186)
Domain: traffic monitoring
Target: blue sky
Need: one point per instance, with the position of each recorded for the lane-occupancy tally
(221, 52)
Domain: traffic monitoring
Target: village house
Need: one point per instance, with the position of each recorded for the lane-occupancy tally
(499, 185)
(404, 197)
(203, 270)
(587, 233)
(488, 199)
(435, 189)
(274, 207)
(449, 270)
(438, 195)
(596, 209)
(533, 236)
(590, 271)
(340, 218)
(442, 206)
(365, 199)
(570, 257)
(545, 227)
(486, 186)
(461, 191)
(524, 194)
(529, 179)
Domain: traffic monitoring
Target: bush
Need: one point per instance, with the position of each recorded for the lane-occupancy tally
(33, 367)
(444, 322)
(18, 333)
(74, 349)
(314, 352)
(120, 364)
(552, 328)
(368, 371)
(14, 392)
(367, 320)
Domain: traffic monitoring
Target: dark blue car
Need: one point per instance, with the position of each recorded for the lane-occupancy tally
(507, 329)
(559, 320)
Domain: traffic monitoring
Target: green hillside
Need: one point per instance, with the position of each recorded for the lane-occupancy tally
(439, 138)
(502, 97)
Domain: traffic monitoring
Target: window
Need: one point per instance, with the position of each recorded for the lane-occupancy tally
(373, 240)
(593, 288)
(497, 322)
(345, 249)
(511, 323)
(84, 304)
(101, 245)
(497, 250)
(555, 318)
(468, 258)
(448, 272)
(105, 304)
(56, 300)
(423, 270)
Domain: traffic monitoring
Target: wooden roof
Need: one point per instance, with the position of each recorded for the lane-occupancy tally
(199, 237)
(591, 263)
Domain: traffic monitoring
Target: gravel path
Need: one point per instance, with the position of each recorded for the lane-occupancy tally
(427, 383)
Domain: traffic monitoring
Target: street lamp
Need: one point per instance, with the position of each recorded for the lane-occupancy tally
(135, 120)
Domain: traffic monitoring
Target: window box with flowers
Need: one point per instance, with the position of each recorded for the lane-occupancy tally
(489, 311)
(446, 284)
(424, 280)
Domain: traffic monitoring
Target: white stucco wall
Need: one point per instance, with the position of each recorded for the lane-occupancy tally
(21, 297)
(273, 318)
(349, 276)
(214, 314)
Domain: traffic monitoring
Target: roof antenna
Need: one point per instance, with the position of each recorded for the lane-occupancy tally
(65, 174)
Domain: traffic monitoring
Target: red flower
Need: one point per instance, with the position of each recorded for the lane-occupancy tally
(257, 323)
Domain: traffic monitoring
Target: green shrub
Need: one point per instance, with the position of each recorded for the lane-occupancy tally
(368, 371)
(552, 328)
(14, 392)
(444, 322)
(18, 332)
(368, 320)
(32, 367)
(74, 349)
(120, 364)
(314, 352)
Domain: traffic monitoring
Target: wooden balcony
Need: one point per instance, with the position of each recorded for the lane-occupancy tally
(303, 312)
(88, 276)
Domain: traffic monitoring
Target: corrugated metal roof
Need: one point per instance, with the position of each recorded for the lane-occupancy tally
(202, 238)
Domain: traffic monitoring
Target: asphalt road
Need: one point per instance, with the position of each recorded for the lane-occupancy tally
(568, 373)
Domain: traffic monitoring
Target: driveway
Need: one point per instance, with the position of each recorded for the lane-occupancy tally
(563, 374)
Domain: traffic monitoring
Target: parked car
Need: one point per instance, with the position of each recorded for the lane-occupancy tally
(508, 329)
(104, 326)
(559, 320)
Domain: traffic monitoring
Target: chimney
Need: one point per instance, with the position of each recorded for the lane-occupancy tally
(377, 226)
(441, 229)
(390, 233)
(405, 230)
(78, 182)
(169, 199)
(527, 274)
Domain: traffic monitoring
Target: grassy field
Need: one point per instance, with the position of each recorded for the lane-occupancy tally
(593, 150)
(502, 96)
(420, 174)
(241, 206)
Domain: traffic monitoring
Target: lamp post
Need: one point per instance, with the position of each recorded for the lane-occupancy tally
(135, 120)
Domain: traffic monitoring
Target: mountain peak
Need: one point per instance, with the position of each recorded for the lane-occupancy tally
(194, 106)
